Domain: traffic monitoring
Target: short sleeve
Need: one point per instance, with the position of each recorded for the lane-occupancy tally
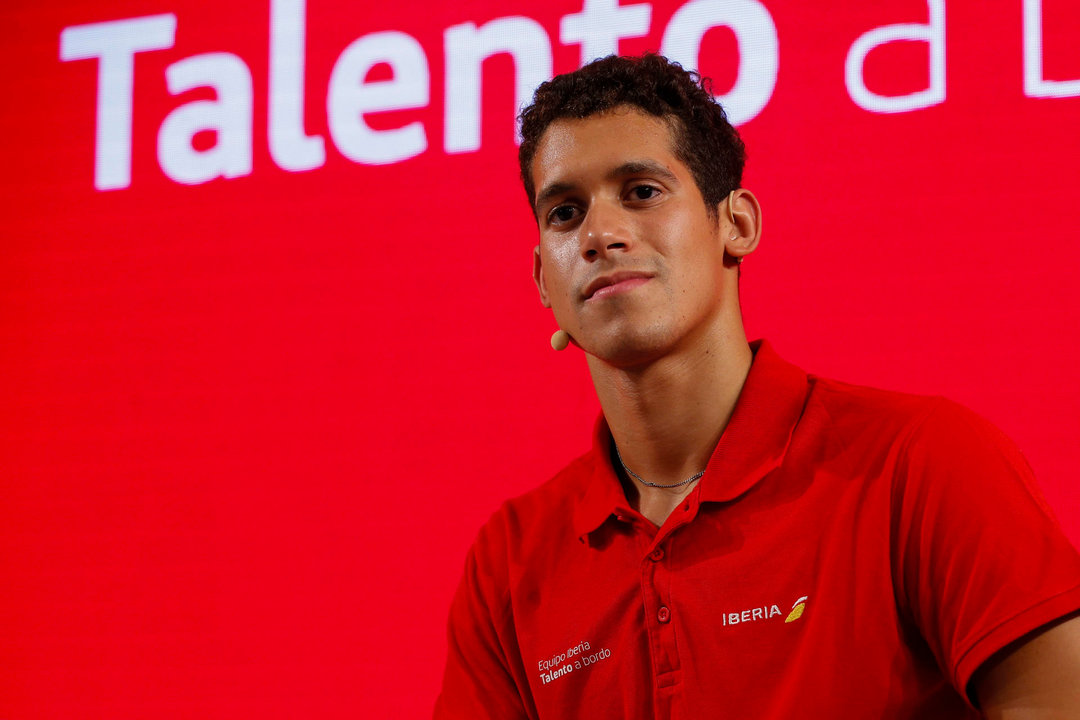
(978, 558)
(484, 677)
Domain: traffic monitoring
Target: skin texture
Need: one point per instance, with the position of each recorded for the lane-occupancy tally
(612, 197)
(1036, 677)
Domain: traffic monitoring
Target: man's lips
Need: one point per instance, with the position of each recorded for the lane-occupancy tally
(615, 283)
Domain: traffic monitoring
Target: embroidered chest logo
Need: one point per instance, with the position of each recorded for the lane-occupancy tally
(765, 612)
(797, 610)
(573, 659)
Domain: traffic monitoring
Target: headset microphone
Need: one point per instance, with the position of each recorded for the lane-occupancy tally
(560, 339)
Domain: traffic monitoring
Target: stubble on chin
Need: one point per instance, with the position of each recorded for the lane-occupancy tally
(627, 346)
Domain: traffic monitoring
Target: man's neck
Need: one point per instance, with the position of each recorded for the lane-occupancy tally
(667, 417)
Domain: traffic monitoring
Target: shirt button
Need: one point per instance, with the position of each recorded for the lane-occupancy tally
(663, 614)
(657, 555)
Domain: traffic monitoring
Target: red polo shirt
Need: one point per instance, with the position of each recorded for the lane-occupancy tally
(849, 552)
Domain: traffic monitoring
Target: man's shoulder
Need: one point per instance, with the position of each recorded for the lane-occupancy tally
(557, 496)
(845, 398)
(925, 435)
(550, 504)
(855, 410)
(903, 429)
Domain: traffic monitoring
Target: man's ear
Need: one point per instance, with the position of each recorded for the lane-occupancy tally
(538, 277)
(740, 220)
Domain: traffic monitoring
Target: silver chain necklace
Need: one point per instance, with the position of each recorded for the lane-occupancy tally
(643, 481)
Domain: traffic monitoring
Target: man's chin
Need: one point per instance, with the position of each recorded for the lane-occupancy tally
(628, 349)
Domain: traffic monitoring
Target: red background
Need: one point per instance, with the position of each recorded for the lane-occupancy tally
(249, 427)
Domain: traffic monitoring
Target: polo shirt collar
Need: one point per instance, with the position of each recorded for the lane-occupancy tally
(753, 443)
(603, 494)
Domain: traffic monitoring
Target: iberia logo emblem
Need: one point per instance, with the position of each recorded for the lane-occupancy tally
(796, 610)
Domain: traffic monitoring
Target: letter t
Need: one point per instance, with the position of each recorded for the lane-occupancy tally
(600, 25)
(115, 43)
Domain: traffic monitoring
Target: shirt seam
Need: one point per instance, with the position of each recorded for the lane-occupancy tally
(903, 462)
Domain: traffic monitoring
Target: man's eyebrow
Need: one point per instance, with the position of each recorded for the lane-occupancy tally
(550, 191)
(631, 167)
(643, 167)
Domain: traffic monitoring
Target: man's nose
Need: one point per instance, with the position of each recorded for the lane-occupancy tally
(605, 229)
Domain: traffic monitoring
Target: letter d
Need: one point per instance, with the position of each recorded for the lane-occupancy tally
(932, 33)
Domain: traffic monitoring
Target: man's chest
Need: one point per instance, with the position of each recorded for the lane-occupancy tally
(740, 611)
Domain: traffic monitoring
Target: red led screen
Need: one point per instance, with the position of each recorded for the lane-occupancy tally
(271, 349)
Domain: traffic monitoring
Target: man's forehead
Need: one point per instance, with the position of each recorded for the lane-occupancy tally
(622, 128)
(618, 142)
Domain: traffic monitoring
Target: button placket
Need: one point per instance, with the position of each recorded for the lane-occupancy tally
(658, 616)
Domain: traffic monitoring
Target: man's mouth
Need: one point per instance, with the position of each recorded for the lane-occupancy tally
(615, 283)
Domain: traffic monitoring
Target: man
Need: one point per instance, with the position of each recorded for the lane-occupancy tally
(744, 540)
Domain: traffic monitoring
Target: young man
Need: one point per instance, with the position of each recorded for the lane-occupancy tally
(744, 540)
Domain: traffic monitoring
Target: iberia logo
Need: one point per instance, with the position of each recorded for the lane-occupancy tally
(764, 612)
(796, 610)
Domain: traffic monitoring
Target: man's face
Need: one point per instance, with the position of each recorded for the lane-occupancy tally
(630, 260)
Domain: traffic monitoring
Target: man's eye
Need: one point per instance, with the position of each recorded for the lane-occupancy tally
(643, 192)
(563, 213)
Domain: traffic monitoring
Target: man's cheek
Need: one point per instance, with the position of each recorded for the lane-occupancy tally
(563, 251)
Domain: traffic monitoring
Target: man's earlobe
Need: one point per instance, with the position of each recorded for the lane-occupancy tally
(538, 278)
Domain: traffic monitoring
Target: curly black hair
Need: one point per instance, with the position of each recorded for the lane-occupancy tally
(704, 140)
